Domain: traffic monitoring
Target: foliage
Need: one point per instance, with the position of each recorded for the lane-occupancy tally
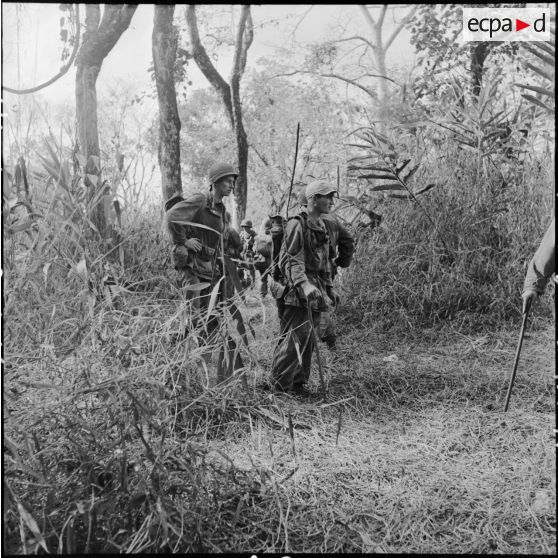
(487, 226)
(435, 35)
(543, 66)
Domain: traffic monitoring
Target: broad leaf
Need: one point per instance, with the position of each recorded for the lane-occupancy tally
(536, 89)
(383, 187)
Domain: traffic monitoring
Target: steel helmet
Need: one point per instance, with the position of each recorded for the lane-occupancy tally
(301, 199)
(246, 223)
(219, 170)
(266, 223)
(319, 187)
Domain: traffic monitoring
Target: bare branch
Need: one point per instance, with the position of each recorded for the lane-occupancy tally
(204, 62)
(367, 16)
(402, 24)
(382, 16)
(262, 158)
(347, 80)
(355, 38)
(62, 71)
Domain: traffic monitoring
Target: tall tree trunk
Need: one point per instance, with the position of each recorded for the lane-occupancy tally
(479, 54)
(244, 38)
(98, 40)
(164, 45)
(230, 94)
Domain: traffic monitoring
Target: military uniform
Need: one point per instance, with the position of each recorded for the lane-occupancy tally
(247, 236)
(263, 245)
(205, 265)
(304, 257)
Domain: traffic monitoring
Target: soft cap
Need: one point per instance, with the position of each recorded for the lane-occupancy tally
(319, 187)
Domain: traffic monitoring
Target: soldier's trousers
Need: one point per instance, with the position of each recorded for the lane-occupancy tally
(264, 270)
(288, 370)
(229, 359)
(327, 327)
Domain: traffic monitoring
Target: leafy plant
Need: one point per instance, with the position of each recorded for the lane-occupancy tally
(544, 67)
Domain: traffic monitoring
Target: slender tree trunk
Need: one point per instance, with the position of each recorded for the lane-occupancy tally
(230, 94)
(98, 40)
(164, 45)
(479, 54)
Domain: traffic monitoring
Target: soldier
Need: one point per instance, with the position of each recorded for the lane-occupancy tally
(197, 250)
(247, 236)
(276, 280)
(262, 255)
(341, 249)
(541, 267)
(304, 263)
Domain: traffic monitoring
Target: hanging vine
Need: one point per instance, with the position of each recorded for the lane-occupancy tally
(63, 70)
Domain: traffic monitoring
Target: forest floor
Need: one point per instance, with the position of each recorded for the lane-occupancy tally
(411, 451)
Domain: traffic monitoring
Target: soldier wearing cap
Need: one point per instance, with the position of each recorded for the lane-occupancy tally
(247, 236)
(304, 264)
(341, 250)
(197, 250)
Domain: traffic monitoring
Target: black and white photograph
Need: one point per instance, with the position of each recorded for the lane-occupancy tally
(278, 279)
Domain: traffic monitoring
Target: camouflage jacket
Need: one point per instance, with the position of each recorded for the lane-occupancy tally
(305, 257)
(182, 218)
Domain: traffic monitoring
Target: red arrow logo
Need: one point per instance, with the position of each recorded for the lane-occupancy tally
(519, 25)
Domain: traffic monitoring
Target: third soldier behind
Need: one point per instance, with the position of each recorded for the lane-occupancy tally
(262, 254)
(341, 249)
(247, 236)
(304, 263)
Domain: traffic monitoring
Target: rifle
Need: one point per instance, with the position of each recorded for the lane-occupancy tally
(294, 167)
(516, 361)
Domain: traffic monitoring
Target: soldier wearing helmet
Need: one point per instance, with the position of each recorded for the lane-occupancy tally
(304, 263)
(341, 249)
(197, 249)
(247, 236)
(263, 245)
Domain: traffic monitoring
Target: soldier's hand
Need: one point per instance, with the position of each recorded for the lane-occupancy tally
(311, 291)
(334, 297)
(180, 256)
(193, 244)
(528, 296)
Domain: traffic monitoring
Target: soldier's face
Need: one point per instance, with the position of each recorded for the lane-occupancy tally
(224, 186)
(323, 204)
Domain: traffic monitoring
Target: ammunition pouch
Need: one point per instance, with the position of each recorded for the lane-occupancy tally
(276, 289)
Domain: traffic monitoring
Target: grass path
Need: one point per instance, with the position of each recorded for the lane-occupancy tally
(410, 453)
(425, 461)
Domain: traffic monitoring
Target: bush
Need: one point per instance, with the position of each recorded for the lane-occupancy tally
(469, 268)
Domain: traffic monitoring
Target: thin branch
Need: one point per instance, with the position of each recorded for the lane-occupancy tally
(382, 16)
(62, 71)
(204, 62)
(262, 158)
(397, 30)
(355, 38)
(367, 16)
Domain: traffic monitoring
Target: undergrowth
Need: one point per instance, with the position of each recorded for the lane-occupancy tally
(117, 439)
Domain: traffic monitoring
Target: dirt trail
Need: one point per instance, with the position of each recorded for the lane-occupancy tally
(425, 460)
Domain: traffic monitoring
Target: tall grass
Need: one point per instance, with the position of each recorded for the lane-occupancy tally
(461, 257)
(117, 440)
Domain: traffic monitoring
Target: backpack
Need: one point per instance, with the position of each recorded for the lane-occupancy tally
(277, 236)
(264, 245)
